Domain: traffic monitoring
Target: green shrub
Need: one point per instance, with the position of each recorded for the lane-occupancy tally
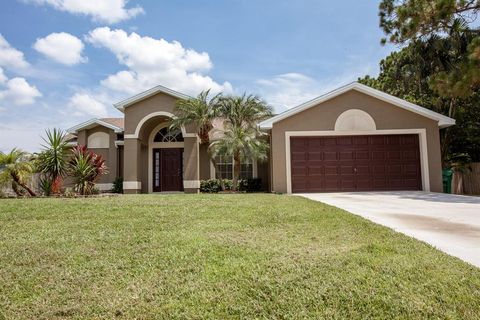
(250, 185)
(210, 186)
(227, 184)
(215, 185)
(45, 185)
(117, 185)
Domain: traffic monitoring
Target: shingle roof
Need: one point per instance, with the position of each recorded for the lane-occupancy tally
(117, 122)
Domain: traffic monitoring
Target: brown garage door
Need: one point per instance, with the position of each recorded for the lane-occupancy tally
(355, 163)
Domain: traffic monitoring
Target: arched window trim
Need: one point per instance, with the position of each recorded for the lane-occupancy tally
(98, 140)
(164, 134)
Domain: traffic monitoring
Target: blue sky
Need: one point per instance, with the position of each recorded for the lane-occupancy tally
(66, 61)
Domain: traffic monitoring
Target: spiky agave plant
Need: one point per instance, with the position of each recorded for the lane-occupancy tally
(52, 161)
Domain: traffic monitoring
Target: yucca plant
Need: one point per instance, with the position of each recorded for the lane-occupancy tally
(86, 167)
(199, 111)
(16, 169)
(52, 161)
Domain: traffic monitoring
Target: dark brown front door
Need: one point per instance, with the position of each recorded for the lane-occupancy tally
(168, 169)
(355, 163)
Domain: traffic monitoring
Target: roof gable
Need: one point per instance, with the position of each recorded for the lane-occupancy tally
(116, 124)
(443, 121)
(146, 94)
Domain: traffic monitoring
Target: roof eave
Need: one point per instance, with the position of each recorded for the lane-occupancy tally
(443, 121)
(148, 93)
(88, 123)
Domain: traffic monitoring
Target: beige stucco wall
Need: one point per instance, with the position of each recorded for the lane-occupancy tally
(136, 161)
(204, 163)
(109, 154)
(323, 117)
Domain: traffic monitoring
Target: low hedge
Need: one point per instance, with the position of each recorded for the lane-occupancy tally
(215, 185)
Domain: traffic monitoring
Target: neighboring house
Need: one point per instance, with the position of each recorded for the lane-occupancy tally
(354, 138)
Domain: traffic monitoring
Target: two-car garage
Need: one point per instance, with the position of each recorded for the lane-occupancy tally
(356, 138)
(355, 163)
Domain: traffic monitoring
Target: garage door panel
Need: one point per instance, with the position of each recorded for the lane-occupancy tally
(312, 156)
(377, 140)
(394, 155)
(409, 140)
(315, 171)
(331, 170)
(355, 163)
(362, 155)
(329, 155)
(409, 155)
(378, 155)
(346, 155)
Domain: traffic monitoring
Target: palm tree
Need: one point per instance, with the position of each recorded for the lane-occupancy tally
(53, 159)
(245, 110)
(241, 143)
(241, 138)
(16, 169)
(199, 111)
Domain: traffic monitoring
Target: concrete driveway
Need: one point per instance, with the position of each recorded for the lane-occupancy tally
(450, 223)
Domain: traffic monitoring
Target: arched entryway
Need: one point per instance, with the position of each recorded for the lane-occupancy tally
(165, 154)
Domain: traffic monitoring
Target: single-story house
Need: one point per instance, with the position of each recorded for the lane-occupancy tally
(354, 138)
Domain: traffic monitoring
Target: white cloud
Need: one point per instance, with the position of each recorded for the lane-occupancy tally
(3, 77)
(61, 47)
(108, 11)
(154, 61)
(86, 104)
(288, 90)
(11, 57)
(19, 92)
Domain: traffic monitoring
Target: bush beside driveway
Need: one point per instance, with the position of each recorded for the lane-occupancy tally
(219, 256)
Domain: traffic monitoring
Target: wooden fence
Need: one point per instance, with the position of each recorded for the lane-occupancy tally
(467, 182)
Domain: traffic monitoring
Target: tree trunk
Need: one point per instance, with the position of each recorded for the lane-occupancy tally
(15, 189)
(204, 134)
(447, 134)
(236, 170)
(30, 191)
(23, 185)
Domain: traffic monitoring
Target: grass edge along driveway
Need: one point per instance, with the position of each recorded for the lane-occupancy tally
(219, 256)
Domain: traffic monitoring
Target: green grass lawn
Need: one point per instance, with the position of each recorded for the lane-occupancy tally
(219, 256)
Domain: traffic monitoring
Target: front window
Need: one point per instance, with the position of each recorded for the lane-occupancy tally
(166, 135)
(246, 170)
(224, 168)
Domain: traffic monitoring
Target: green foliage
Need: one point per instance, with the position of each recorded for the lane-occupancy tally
(117, 185)
(16, 168)
(86, 167)
(243, 111)
(459, 162)
(410, 21)
(250, 185)
(199, 112)
(411, 74)
(52, 161)
(45, 185)
(217, 185)
(210, 186)
(240, 137)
